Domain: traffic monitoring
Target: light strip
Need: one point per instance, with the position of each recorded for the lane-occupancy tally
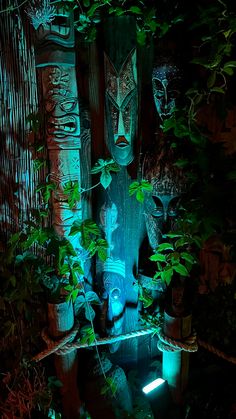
(154, 384)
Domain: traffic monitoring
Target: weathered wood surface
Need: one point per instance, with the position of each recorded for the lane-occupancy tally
(61, 321)
(60, 105)
(175, 366)
(19, 99)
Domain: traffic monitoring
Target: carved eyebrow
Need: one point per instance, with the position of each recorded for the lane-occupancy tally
(125, 102)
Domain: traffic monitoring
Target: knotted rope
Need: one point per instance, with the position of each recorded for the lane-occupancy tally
(165, 343)
(65, 345)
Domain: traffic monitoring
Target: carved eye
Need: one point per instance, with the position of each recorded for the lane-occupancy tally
(159, 93)
(173, 207)
(68, 106)
(172, 212)
(158, 210)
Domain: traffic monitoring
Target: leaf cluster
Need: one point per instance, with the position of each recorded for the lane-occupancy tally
(139, 189)
(105, 167)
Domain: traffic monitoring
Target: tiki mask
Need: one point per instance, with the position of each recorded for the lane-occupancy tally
(113, 279)
(166, 88)
(121, 108)
(61, 107)
(61, 30)
(161, 208)
(160, 214)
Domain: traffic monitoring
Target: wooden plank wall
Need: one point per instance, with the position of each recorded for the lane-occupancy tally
(19, 98)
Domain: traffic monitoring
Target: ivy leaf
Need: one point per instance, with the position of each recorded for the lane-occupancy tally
(92, 297)
(146, 186)
(140, 196)
(146, 298)
(158, 258)
(105, 179)
(87, 334)
(105, 167)
(46, 189)
(139, 188)
(72, 190)
(85, 227)
(89, 312)
(38, 164)
(180, 269)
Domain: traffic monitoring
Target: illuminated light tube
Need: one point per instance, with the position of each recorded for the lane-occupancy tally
(154, 384)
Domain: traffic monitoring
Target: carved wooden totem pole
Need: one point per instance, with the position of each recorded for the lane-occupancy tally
(118, 213)
(55, 60)
(168, 186)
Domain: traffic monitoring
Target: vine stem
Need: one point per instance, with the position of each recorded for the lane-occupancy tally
(12, 8)
(96, 346)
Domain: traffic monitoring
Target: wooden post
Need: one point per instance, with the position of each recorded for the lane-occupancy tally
(176, 364)
(61, 321)
(55, 60)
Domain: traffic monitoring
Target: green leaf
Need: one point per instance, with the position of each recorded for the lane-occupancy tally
(140, 196)
(38, 164)
(173, 235)
(181, 163)
(180, 269)
(72, 190)
(228, 70)
(146, 298)
(230, 64)
(93, 9)
(105, 179)
(46, 189)
(166, 275)
(181, 242)
(211, 80)
(158, 258)
(92, 297)
(136, 10)
(189, 258)
(146, 186)
(165, 246)
(217, 90)
(141, 37)
(133, 188)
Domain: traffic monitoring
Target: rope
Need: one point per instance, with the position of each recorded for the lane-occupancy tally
(63, 346)
(217, 352)
(165, 343)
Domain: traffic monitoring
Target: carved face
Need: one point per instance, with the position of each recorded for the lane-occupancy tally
(160, 214)
(60, 31)
(166, 88)
(61, 106)
(121, 108)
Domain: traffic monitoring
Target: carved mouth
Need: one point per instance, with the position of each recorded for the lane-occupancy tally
(60, 127)
(121, 141)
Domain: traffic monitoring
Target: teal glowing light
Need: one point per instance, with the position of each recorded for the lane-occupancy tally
(154, 384)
